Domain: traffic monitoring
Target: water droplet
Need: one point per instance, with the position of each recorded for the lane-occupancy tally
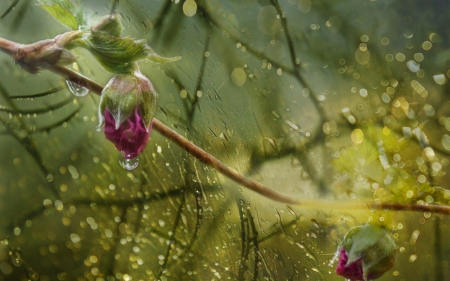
(190, 8)
(446, 141)
(412, 258)
(238, 77)
(413, 66)
(77, 89)
(427, 45)
(129, 164)
(439, 79)
(357, 136)
(363, 92)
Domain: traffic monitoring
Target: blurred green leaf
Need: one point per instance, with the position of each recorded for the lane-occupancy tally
(64, 11)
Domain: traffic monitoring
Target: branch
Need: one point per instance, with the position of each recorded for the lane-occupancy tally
(10, 48)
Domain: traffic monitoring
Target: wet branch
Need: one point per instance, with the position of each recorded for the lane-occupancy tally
(11, 48)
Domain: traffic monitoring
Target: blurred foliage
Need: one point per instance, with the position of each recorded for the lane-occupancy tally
(334, 100)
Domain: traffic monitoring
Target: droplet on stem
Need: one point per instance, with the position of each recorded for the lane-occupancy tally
(77, 89)
(129, 164)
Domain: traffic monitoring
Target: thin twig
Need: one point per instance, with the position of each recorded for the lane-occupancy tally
(9, 47)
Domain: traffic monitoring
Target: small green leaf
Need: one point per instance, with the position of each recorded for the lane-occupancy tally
(117, 49)
(65, 12)
(115, 54)
(62, 15)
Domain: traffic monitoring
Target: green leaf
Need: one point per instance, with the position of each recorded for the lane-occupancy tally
(62, 15)
(65, 12)
(117, 49)
(117, 54)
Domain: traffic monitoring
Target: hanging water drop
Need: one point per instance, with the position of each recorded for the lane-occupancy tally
(129, 164)
(77, 89)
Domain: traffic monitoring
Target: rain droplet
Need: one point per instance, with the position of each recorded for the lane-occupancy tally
(446, 141)
(129, 164)
(363, 92)
(439, 79)
(413, 66)
(190, 8)
(77, 89)
(238, 77)
(400, 57)
(357, 136)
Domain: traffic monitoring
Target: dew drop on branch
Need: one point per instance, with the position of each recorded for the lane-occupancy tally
(129, 164)
(77, 89)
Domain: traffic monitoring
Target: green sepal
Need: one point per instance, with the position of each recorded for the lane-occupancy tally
(110, 24)
(121, 104)
(147, 100)
(115, 67)
(64, 11)
(147, 106)
(121, 108)
(101, 111)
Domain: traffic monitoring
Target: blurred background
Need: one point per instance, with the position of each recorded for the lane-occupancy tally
(325, 100)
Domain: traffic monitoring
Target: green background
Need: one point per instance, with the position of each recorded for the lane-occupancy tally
(261, 86)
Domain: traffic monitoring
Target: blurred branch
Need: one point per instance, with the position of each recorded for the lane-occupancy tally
(27, 141)
(198, 87)
(10, 48)
(10, 8)
(43, 94)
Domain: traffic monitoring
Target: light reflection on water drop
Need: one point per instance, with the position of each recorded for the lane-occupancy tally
(129, 164)
(77, 89)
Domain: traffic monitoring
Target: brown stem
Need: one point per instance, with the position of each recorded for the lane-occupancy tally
(210, 160)
(10, 48)
(76, 77)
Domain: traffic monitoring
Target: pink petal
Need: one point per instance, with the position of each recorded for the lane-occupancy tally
(131, 137)
(353, 271)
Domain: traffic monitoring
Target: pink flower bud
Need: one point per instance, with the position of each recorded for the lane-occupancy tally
(127, 106)
(367, 252)
(131, 137)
